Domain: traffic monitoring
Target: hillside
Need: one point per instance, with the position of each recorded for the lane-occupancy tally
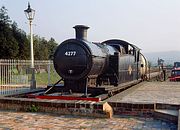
(169, 57)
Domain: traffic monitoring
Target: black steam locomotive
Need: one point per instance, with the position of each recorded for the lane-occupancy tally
(82, 63)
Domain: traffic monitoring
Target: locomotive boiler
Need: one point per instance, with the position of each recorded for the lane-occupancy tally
(82, 63)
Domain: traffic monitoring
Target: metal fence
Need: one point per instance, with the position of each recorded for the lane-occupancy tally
(15, 75)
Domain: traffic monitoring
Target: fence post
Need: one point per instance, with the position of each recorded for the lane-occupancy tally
(49, 71)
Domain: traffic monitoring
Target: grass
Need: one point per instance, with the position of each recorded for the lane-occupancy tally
(42, 78)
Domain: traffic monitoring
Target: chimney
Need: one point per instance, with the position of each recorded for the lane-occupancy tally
(81, 32)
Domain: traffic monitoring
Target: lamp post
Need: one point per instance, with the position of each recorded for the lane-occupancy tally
(30, 16)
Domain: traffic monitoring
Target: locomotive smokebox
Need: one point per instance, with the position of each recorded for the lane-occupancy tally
(81, 32)
(76, 59)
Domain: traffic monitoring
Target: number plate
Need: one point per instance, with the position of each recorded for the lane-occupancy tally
(70, 53)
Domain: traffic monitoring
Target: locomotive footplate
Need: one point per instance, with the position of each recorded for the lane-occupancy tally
(91, 91)
(63, 96)
(59, 92)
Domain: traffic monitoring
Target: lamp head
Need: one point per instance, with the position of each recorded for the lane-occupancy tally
(29, 12)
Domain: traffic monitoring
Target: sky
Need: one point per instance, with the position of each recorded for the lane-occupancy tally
(152, 25)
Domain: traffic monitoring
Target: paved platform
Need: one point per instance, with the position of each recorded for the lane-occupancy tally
(151, 92)
(147, 92)
(40, 121)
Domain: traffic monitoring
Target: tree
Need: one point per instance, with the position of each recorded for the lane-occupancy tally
(4, 18)
(22, 41)
(43, 49)
(8, 44)
(52, 45)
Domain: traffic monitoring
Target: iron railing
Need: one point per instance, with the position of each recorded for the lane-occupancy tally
(15, 75)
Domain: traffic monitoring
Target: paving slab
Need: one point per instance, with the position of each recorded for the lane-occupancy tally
(151, 92)
(40, 121)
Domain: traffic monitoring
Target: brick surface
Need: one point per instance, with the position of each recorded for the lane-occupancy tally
(85, 108)
(40, 121)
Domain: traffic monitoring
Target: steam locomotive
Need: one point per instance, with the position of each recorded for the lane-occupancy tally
(82, 63)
